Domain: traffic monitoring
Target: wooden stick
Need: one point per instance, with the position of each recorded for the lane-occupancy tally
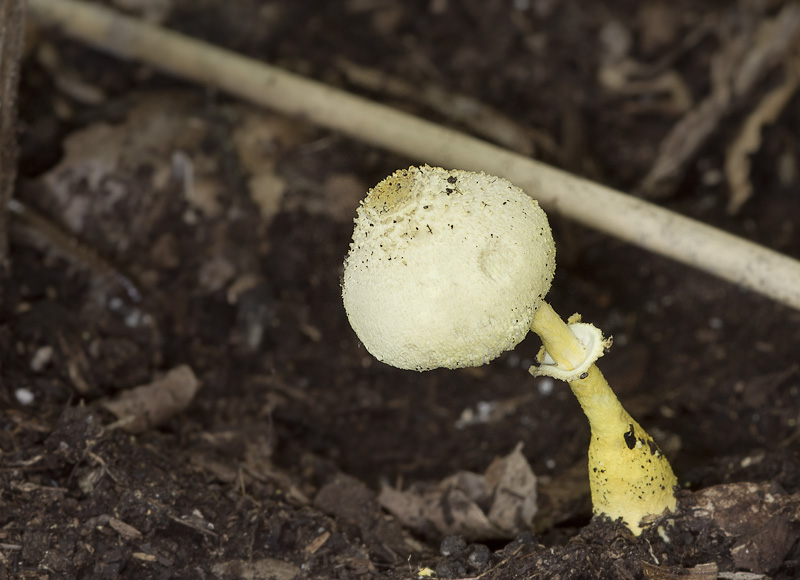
(12, 36)
(631, 219)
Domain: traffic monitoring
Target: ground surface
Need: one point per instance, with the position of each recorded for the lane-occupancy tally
(211, 237)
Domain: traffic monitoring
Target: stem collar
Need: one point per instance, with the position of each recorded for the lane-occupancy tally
(594, 345)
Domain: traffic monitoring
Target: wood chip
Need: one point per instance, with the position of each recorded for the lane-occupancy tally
(152, 405)
(315, 544)
(700, 572)
(264, 569)
(741, 576)
(127, 531)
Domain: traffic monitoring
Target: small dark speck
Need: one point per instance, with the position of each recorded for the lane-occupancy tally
(452, 179)
(584, 375)
(425, 206)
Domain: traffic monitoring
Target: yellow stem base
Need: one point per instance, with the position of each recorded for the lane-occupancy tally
(628, 474)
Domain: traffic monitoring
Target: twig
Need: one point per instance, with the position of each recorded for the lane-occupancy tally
(597, 206)
(456, 107)
(15, 547)
(742, 61)
(72, 248)
(12, 35)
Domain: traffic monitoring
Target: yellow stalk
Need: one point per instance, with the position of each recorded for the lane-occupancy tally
(629, 476)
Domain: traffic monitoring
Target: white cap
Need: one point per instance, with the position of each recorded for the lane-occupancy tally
(446, 268)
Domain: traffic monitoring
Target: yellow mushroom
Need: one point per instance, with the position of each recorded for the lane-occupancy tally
(450, 269)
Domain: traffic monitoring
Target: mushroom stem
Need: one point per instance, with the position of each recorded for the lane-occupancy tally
(593, 392)
(629, 476)
(558, 340)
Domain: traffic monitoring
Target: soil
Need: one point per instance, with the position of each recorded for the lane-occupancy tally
(185, 235)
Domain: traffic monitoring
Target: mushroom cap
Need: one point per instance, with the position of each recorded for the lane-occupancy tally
(446, 268)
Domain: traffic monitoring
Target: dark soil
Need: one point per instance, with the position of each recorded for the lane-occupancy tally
(210, 234)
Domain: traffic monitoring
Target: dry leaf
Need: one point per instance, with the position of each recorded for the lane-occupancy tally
(128, 165)
(563, 497)
(437, 510)
(152, 405)
(766, 547)
(512, 483)
(748, 141)
(350, 500)
(762, 520)
(497, 505)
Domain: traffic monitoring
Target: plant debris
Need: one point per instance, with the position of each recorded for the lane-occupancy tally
(748, 141)
(501, 503)
(152, 405)
(752, 44)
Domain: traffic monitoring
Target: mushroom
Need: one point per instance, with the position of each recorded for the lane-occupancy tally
(449, 268)
(446, 269)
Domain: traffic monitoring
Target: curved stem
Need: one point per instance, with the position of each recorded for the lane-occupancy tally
(558, 340)
(594, 394)
(629, 476)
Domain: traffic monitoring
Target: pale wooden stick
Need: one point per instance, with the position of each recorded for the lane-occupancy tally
(631, 219)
